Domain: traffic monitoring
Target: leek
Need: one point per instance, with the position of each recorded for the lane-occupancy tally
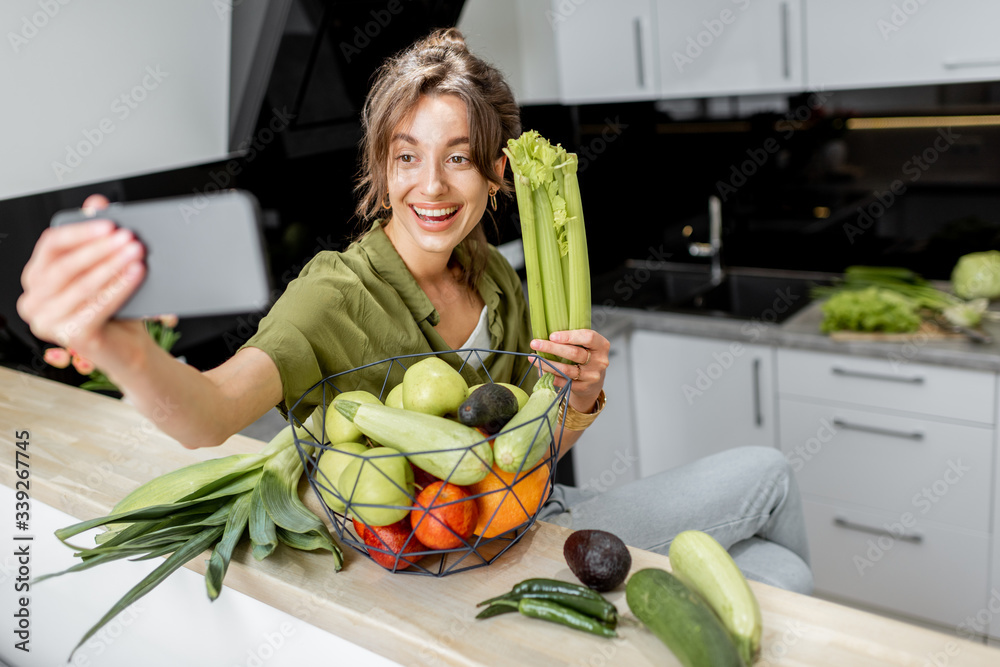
(553, 234)
(206, 505)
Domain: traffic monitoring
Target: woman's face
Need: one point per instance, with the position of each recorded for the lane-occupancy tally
(437, 195)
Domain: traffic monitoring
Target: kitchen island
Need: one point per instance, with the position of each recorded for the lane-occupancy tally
(88, 451)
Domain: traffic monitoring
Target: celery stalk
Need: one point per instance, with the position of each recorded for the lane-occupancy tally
(576, 241)
(556, 313)
(536, 298)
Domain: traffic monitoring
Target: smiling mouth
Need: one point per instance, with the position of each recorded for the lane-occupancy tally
(435, 214)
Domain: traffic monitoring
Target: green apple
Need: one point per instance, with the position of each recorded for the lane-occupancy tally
(331, 466)
(383, 477)
(520, 394)
(433, 387)
(338, 427)
(395, 397)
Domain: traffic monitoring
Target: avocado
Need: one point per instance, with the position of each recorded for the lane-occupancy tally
(489, 407)
(522, 395)
(599, 559)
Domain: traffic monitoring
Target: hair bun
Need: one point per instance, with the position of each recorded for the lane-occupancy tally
(447, 38)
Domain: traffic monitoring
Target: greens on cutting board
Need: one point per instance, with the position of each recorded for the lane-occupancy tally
(892, 300)
(869, 309)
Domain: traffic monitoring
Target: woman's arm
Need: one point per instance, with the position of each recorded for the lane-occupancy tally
(195, 408)
(590, 350)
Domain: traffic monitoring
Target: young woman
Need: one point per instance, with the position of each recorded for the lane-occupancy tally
(422, 278)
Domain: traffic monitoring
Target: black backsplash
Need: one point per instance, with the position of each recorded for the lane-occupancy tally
(644, 177)
(810, 195)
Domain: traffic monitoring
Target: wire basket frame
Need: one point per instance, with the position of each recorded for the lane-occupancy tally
(411, 557)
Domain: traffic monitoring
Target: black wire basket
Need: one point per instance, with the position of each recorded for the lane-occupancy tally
(502, 499)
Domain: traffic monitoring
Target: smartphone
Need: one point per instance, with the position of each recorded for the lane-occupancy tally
(205, 253)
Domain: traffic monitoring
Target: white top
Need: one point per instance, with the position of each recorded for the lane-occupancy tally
(479, 338)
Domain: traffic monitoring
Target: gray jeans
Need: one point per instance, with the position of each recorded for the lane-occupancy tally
(746, 498)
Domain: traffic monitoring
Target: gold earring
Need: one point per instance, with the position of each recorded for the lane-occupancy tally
(493, 198)
(385, 202)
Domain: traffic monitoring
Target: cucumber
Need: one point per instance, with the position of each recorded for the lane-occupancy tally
(517, 447)
(446, 449)
(702, 563)
(681, 620)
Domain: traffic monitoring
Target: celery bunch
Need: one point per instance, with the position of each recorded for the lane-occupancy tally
(553, 233)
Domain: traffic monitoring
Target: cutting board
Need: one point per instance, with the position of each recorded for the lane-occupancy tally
(928, 331)
(88, 451)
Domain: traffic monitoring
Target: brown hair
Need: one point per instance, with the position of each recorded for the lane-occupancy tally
(439, 64)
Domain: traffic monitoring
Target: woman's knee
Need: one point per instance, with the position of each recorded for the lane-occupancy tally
(768, 457)
(758, 462)
(772, 564)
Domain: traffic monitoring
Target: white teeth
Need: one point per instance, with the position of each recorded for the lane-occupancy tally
(435, 212)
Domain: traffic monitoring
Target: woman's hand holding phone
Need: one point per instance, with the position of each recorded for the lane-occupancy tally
(76, 279)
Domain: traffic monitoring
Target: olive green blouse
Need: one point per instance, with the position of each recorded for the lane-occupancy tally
(361, 306)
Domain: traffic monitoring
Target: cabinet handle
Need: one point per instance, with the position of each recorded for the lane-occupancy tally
(963, 63)
(758, 417)
(846, 372)
(639, 61)
(915, 538)
(785, 59)
(911, 435)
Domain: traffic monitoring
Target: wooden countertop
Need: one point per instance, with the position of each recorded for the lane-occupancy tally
(87, 451)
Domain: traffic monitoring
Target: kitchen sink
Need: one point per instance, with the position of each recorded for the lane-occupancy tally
(768, 295)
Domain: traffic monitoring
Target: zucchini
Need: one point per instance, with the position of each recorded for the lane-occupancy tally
(446, 449)
(702, 563)
(522, 442)
(681, 620)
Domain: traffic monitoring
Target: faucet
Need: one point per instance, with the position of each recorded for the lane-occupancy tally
(713, 248)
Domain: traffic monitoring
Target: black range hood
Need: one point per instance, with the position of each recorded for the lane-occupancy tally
(326, 58)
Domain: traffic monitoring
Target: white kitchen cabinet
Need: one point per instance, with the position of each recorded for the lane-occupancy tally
(695, 396)
(606, 50)
(871, 43)
(605, 456)
(729, 47)
(989, 617)
(516, 37)
(889, 383)
(937, 471)
(942, 577)
(895, 463)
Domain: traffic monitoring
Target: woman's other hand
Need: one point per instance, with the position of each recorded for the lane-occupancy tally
(589, 351)
(78, 276)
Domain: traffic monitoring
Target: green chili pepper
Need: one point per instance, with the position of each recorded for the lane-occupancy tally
(496, 609)
(555, 586)
(599, 609)
(556, 613)
(546, 586)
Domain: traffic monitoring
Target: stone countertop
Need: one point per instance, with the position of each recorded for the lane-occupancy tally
(801, 331)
